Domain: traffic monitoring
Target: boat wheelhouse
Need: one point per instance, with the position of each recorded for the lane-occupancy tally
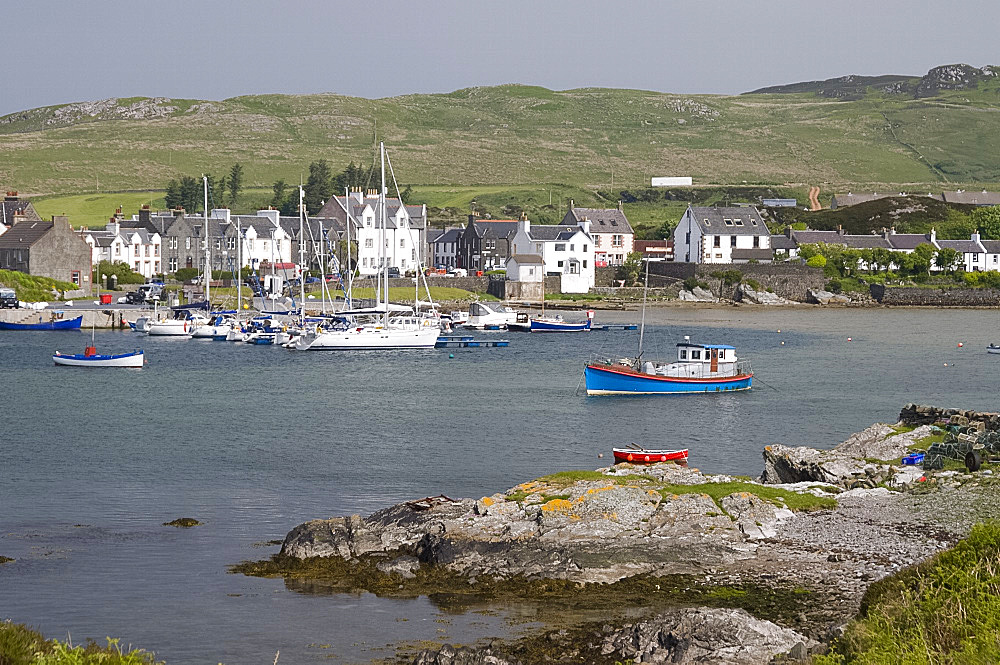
(483, 315)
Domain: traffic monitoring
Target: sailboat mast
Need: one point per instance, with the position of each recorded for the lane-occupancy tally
(208, 265)
(322, 268)
(239, 269)
(385, 255)
(302, 258)
(642, 323)
(350, 271)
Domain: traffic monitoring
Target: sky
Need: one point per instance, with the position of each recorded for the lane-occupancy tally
(58, 51)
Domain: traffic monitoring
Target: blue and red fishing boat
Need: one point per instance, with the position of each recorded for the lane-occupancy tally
(55, 323)
(699, 368)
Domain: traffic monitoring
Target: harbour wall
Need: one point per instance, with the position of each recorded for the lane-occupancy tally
(110, 318)
(947, 297)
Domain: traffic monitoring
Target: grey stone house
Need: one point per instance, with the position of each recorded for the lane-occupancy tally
(49, 249)
(485, 244)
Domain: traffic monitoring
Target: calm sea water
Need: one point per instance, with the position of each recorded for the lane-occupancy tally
(254, 440)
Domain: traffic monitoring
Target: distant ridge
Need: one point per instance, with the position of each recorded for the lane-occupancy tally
(944, 77)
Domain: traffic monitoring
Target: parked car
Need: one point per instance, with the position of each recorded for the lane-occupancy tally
(458, 272)
(144, 294)
(8, 299)
(393, 271)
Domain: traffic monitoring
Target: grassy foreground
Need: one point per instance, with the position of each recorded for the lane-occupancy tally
(20, 645)
(31, 288)
(946, 610)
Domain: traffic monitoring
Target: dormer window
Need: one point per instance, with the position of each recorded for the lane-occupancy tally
(738, 222)
(708, 223)
(753, 221)
(729, 222)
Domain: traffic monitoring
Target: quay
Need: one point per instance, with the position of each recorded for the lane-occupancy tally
(467, 342)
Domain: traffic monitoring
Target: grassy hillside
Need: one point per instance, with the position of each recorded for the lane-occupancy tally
(586, 138)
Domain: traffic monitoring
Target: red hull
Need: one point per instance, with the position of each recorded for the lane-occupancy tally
(649, 456)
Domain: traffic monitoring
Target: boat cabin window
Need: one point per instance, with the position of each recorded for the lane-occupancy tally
(695, 354)
(684, 354)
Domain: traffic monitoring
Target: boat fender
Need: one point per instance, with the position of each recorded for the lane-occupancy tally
(647, 458)
(185, 326)
(317, 329)
(663, 458)
(629, 458)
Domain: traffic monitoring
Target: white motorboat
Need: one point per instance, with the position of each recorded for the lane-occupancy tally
(489, 315)
(993, 348)
(217, 327)
(182, 325)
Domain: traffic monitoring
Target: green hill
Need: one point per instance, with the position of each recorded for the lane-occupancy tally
(894, 130)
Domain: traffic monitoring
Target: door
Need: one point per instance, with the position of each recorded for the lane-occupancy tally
(715, 361)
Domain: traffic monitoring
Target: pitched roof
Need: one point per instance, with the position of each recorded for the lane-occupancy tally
(334, 209)
(745, 254)
(9, 208)
(602, 220)
(991, 246)
(733, 221)
(963, 246)
(982, 198)
(907, 240)
(450, 235)
(549, 232)
(501, 228)
(24, 234)
(781, 241)
(526, 259)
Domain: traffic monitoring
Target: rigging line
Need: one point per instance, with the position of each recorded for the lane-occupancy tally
(418, 245)
(583, 375)
(766, 385)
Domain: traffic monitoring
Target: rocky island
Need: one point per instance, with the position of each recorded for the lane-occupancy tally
(684, 566)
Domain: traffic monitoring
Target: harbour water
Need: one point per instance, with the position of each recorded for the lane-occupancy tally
(254, 440)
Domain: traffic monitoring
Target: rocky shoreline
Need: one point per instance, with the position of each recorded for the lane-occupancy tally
(684, 552)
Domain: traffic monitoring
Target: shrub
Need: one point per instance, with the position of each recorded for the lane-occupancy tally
(120, 269)
(834, 286)
(691, 283)
(185, 274)
(752, 283)
(816, 261)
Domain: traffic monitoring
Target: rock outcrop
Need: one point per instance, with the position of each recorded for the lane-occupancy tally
(748, 294)
(821, 297)
(850, 465)
(703, 635)
(698, 294)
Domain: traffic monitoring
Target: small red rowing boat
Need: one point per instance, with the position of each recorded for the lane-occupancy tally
(643, 456)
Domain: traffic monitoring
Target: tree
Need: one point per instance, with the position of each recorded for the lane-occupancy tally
(816, 261)
(987, 220)
(223, 183)
(947, 259)
(923, 258)
(278, 188)
(407, 194)
(235, 182)
(630, 270)
(173, 195)
(882, 258)
(319, 185)
(190, 193)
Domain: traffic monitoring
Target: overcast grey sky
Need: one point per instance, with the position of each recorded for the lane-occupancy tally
(59, 51)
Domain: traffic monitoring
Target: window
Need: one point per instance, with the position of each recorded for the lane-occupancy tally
(753, 221)
(695, 354)
(571, 248)
(156, 266)
(118, 249)
(732, 241)
(585, 263)
(687, 237)
(187, 242)
(172, 263)
(368, 243)
(538, 247)
(559, 264)
(729, 222)
(616, 241)
(156, 250)
(147, 250)
(584, 249)
(137, 266)
(413, 255)
(402, 243)
(250, 244)
(218, 243)
(231, 242)
(756, 241)
(173, 243)
(707, 222)
(574, 267)
(75, 277)
(717, 241)
(597, 240)
(560, 247)
(738, 222)
(684, 354)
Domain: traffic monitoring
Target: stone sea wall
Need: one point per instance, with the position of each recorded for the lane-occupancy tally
(957, 297)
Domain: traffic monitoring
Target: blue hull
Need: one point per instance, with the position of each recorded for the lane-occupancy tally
(62, 324)
(549, 326)
(612, 380)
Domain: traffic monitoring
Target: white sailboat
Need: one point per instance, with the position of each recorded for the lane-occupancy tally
(386, 326)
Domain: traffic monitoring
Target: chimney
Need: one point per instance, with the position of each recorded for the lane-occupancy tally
(571, 206)
(975, 236)
(840, 230)
(144, 214)
(524, 216)
(525, 224)
(114, 225)
(933, 236)
(585, 225)
(788, 231)
(11, 196)
(60, 220)
(619, 204)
